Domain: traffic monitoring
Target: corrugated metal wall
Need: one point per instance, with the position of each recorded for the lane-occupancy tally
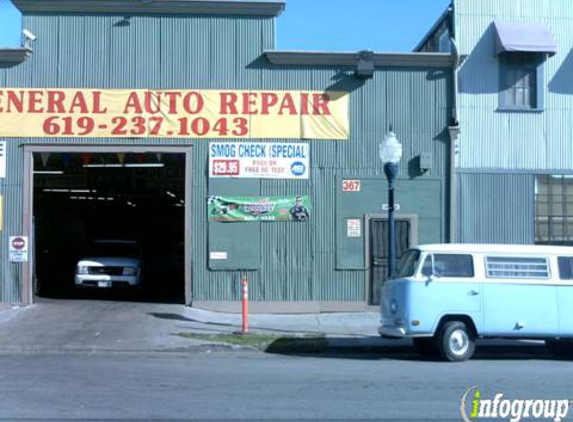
(496, 208)
(505, 140)
(11, 191)
(298, 260)
(493, 141)
(211, 52)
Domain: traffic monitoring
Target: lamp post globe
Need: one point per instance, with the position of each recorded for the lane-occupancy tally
(390, 154)
(390, 148)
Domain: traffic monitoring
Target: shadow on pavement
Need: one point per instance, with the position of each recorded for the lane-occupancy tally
(172, 317)
(351, 348)
(147, 294)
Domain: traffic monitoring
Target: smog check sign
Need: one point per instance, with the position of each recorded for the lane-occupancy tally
(18, 248)
(268, 160)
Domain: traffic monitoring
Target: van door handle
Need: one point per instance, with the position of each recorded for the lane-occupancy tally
(473, 293)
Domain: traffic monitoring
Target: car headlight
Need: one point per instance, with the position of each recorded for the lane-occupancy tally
(393, 306)
(82, 269)
(129, 270)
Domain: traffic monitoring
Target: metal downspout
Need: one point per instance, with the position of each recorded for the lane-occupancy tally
(454, 131)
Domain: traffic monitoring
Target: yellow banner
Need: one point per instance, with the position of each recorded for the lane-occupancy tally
(88, 113)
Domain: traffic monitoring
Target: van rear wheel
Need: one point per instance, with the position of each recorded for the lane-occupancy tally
(456, 342)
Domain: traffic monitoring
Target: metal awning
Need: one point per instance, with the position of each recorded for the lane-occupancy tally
(527, 37)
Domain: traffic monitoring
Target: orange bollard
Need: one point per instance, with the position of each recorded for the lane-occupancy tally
(245, 303)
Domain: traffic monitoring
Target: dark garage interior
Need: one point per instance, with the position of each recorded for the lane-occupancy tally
(82, 197)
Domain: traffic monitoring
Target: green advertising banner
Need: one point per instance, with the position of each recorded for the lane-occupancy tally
(248, 208)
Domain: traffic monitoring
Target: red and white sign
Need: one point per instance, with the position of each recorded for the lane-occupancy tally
(225, 168)
(353, 227)
(351, 186)
(18, 248)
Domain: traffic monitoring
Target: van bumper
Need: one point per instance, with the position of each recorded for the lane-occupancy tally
(392, 331)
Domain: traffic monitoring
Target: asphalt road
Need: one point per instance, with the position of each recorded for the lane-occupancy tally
(253, 386)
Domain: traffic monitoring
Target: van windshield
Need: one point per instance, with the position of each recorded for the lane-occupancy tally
(409, 263)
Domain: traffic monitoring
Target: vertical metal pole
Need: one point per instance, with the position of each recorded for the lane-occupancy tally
(391, 229)
(245, 302)
(391, 170)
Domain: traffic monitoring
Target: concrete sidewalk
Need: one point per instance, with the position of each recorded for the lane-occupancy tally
(53, 325)
(335, 323)
(56, 326)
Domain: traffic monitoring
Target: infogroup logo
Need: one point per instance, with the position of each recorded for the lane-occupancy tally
(474, 407)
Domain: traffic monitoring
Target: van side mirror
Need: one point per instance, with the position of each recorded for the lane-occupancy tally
(432, 277)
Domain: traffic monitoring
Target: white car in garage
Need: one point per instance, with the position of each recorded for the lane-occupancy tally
(110, 263)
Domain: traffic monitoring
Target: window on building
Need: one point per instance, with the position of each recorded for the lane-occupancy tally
(445, 45)
(516, 267)
(554, 209)
(448, 265)
(521, 79)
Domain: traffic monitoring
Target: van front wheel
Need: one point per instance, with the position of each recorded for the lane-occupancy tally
(456, 342)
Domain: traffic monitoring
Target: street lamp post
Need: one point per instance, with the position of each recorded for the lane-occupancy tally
(391, 153)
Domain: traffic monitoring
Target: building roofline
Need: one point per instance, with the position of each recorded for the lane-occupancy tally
(323, 58)
(211, 7)
(14, 55)
(433, 29)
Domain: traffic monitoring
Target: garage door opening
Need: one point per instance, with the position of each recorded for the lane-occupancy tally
(80, 199)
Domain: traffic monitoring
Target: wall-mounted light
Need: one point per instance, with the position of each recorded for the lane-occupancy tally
(28, 38)
(365, 64)
(425, 161)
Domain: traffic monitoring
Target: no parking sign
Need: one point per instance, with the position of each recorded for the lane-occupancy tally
(18, 248)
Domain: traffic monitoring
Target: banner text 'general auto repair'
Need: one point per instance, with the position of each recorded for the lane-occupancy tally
(84, 113)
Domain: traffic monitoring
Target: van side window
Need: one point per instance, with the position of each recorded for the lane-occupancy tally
(565, 267)
(448, 265)
(516, 267)
(427, 267)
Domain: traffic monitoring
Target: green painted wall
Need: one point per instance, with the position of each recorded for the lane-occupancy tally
(311, 261)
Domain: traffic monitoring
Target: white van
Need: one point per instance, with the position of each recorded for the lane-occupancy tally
(446, 295)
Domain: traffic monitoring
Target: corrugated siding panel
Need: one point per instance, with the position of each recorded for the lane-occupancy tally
(11, 192)
(298, 260)
(502, 140)
(334, 284)
(546, 9)
(496, 208)
(417, 109)
(135, 52)
(213, 52)
(287, 252)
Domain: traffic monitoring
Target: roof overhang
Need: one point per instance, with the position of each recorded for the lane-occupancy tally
(525, 37)
(212, 7)
(318, 58)
(14, 55)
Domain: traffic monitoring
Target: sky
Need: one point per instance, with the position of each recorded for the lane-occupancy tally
(320, 25)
